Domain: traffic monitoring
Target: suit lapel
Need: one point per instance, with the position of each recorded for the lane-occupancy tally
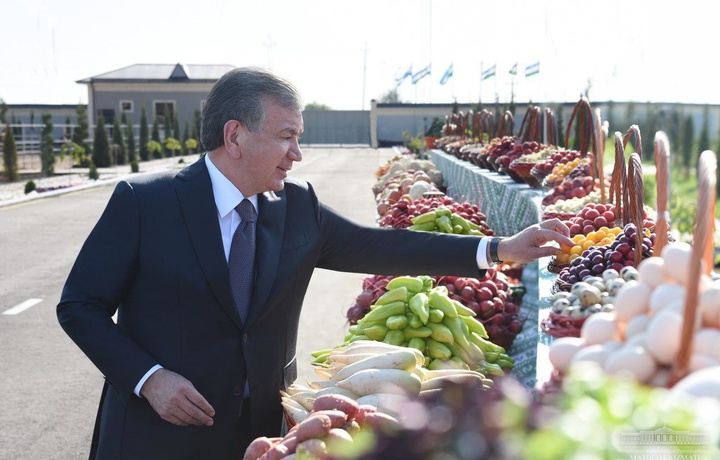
(269, 236)
(198, 207)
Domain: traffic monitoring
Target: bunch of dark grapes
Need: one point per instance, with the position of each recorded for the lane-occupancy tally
(621, 253)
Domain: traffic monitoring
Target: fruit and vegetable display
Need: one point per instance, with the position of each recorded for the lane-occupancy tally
(402, 213)
(415, 313)
(495, 299)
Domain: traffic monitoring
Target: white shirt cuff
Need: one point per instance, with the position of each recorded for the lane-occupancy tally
(147, 375)
(481, 256)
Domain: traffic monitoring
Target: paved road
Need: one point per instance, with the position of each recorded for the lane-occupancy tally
(48, 389)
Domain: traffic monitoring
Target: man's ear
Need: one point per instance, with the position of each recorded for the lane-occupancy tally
(234, 134)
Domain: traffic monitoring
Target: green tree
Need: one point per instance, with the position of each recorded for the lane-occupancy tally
(560, 123)
(155, 148)
(173, 146)
(191, 145)
(608, 115)
(688, 140)
(130, 144)
(629, 118)
(176, 128)
(144, 138)
(197, 120)
(704, 141)
(186, 136)
(121, 157)
(82, 131)
(317, 106)
(3, 111)
(10, 159)
(67, 132)
(673, 128)
(167, 122)
(647, 132)
(47, 155)
(156, 138)
(101, 146)
(390, 97)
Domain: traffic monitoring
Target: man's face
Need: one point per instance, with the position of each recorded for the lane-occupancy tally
(268, 154)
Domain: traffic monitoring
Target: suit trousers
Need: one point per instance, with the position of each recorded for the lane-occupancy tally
(243, 432)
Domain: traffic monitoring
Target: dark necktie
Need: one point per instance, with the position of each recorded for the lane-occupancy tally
(242, 259)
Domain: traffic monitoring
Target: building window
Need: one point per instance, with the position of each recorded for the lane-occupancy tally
(108, 115)
(162, 108)
(127, 106)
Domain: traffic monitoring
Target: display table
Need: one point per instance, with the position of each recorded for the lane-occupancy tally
(509, 207)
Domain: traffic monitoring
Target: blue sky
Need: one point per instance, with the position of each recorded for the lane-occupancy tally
(344, 53)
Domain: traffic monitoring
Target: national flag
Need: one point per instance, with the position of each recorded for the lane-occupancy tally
(421, 74)
(532, 69)
(513, 69)
(403, 77)
(446, 76)
(489, 73)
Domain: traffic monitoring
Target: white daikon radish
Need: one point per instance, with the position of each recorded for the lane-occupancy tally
(664, 295)
(651, 272)
(335, 391)
(636, 326)
(296, 412)
(632, 300)
(563, 350)
(391, 404)
(599, 328)
(371, 381)
(663, 336)
(632, 361)
(348, 358)
(709, 305)
(677, 261)
(401, 359)
(707, 341)
(703, 383)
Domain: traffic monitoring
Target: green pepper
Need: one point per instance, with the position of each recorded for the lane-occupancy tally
(417, 343)
(396, 322)
(395, 338)
(436, 315)
(444, 225)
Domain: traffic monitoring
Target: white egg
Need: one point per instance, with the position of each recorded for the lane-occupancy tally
(703, 383)
(677, 261)
(663, 336)
(562, 351)
(707, 341)
(637, 340)
(636, 326)
(701, 361)
(599, 328)
(679, 307)
(664, 295)
(632, 300)
(709, 304)
(651, 272)
(631, 361)
(613, 345)
(595, 353)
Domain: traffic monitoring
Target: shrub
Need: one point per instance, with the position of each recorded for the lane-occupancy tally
(134, 167)
(30, 186)
(93, 173)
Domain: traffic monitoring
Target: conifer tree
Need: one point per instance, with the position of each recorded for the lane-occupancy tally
(101, 146)
(704, 141)
(144, 138)
(167, 122)
(156, 138)
(82, 131)
(47, 156)
(10, 159)
(130, 144)
(176, 128)
(687, 144)
(186, 136)
(119, 142)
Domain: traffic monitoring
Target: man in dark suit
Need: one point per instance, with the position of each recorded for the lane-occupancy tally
(186, 377)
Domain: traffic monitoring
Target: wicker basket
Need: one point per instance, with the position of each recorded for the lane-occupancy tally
(523, 171)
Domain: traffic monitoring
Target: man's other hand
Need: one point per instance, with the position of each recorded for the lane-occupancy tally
(176, 400)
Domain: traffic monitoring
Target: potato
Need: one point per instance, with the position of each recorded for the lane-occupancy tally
(336, 401)
(315, 426)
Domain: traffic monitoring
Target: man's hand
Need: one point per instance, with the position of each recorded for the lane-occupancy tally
(530, 244)
(176, 400)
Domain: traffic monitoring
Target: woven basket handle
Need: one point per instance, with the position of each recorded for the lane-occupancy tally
(489, 122)
(506, 124)
(599, 153)
(702, 241)
(476, 129)
(618, 181)
(525, 125)
(634, 132)
(635, 197)
(550, 127)
(662, 174)
(583, 113)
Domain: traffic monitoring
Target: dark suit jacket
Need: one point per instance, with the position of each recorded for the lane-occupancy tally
(156, 257)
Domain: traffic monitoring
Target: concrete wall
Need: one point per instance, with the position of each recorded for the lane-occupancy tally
(336, 127)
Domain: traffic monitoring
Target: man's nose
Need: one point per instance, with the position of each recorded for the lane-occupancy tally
(295, 153)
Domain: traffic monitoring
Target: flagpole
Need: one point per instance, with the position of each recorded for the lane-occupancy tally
(481, 84)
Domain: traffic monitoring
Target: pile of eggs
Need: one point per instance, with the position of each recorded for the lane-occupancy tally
(641, 337)
(592, 295)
